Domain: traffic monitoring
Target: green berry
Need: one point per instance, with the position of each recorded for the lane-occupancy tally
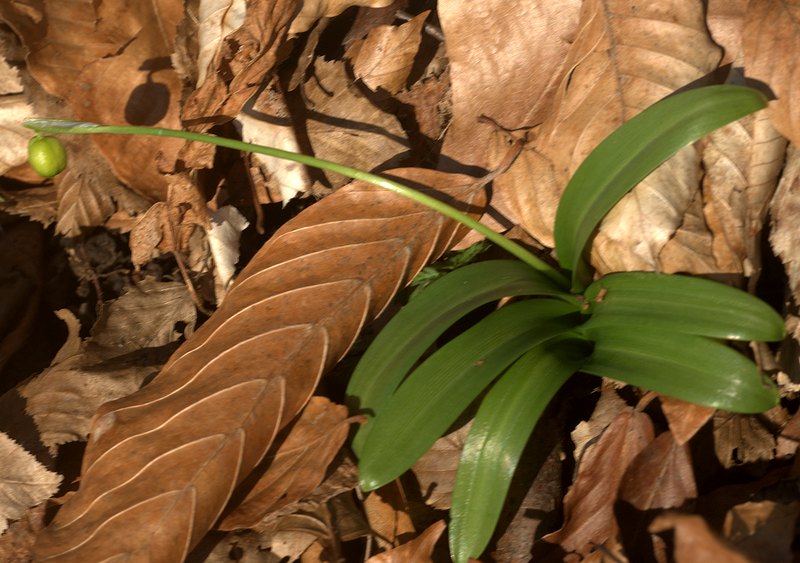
(47, 156)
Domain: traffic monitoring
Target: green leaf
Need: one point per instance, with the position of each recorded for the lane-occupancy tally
(439, 390)
(680, 304)
(634, 150)
(417, 326)
(505, 420)
(687, 367)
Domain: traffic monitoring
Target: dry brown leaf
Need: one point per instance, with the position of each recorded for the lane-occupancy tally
(13, 137)
(586, 433)
(763, 530)
(216, 19)
(660, 476)
(113, 363)
(725, 19)
(344, 126)
(16, 543)
(386, 510)
(626, 57)
(685, 419)
(784, 210)
(694, 541)
(770, 42)
(313, 10)
(267, 121)
(110, 62)
(38, 204)
(385, 57)
(297, 467)
(165, 460)
(589, 504)
(418, 550)
(506, 61)
(224, 234)
(24, 482)
(742, 438)
(436, 469)
(240, 63)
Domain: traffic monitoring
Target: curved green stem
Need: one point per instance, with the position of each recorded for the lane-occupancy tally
(82, 127)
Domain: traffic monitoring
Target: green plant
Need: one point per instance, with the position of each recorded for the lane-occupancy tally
(627, 326)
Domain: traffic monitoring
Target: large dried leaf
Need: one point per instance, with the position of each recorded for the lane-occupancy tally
(436, 469)
(315, 9)
(298, 465)
(763, 530)
(216, 20)
(771, 41)
(162, 463)
(626, 57)
(110, 61)
(506, 60)
(693, 540)
(725, 19)
(24, 482)
(418, 550)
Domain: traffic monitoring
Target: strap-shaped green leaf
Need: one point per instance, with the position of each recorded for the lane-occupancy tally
(439, 390)
(502, 426)
(687, 367)
(634, 150)
(412, 331)
(680, 304)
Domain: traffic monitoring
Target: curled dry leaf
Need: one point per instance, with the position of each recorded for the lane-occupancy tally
(165, 460)
(13, 109)
(685, 419)
(267, 121)
(24, 482)
(693, 539)
(725, 19)
(763, 530)
(387, 513)
(589, 504)
(110, 61)
(436, 469)
(418, 550)
(742, 438)
(297, 466)
(313, 10)
(385, 57)
(216, 20)
(224, 234)
(770, 40)
(784, 210)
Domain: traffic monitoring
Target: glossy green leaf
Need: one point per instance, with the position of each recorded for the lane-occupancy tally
(439, 390)
(687, 367)
(502, 426)
(680, 304)
(417, 326)
(634, 150)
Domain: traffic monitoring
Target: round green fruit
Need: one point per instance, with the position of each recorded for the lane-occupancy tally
(47, 156)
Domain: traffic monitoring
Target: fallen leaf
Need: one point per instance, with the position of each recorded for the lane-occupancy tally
(436, 469)
(418, 550)
(784, 208)
(344, 126)
(586, 433)
(386, 510)
(770, 38)
(226, 229)
(38, 204)
(122, 352)
(740, 439)
(589, 504)
(385, 57)
(693, 539)
(313, 10)
(297, 467)
(167, 458)
(725, 19)
(763, 530)
(13, 137)
(24, 482)
(660, 476)
(685, 419)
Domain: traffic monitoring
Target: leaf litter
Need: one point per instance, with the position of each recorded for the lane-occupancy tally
(229, 441)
